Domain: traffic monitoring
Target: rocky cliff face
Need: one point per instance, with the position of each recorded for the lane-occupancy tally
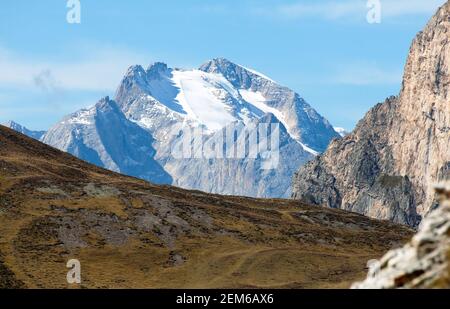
(424, 262)
(387, 166)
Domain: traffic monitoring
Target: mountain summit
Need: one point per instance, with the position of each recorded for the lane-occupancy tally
(387, 167)
(151, 105)
(303, 122)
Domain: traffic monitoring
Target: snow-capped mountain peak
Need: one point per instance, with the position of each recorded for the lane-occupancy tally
(102, 135)
(137, 131)
(157, 69)
(342, 131)
(19, 128)
(221, 92)
(303, 123)
(230, 70)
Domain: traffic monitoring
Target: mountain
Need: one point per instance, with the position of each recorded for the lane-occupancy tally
(302, 121)
(103, 136)
(423, 263)
(247, 176)
(342, 132)
(21, 129)
(128, 233)
(387, 167)
(214, 105)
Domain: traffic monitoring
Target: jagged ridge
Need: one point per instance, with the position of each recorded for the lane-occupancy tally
(220, 94)
(387, 166)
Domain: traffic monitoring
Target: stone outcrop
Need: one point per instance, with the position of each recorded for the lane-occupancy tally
(386, 168)
(422, 263)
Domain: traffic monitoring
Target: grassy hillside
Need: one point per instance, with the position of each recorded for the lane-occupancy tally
(130, 234)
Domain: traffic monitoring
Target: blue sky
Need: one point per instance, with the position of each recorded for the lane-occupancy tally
(325, 50)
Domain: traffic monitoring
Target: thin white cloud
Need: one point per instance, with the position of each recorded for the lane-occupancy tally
(350, 9)
(100, 71)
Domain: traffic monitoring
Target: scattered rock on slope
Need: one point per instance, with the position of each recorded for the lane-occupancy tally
(425, 261)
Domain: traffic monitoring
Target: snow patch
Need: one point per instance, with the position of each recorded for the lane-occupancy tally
(201, 95)
(258, 100)
(258, 73)
(342, 132)
(310, 150)
(83, 117)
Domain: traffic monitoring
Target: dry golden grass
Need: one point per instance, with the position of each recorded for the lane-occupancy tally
(130, 234)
